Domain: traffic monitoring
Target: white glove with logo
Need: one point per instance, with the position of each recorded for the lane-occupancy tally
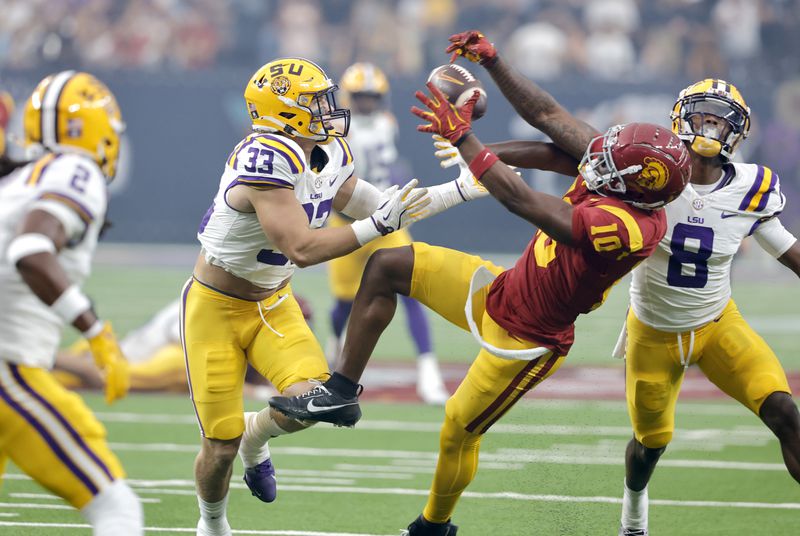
(398, 208)
(447, 154)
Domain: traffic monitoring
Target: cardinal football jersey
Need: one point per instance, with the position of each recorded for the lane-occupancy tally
(235, 240)
(686, 282)
(72, 188)
(551, 284)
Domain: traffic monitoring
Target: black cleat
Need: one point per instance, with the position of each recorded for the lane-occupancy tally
(319, 404)
(632, 532)
(423, 527)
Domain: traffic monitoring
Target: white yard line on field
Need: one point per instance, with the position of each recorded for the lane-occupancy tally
(191, 529)
(48, 497)
(503, 456)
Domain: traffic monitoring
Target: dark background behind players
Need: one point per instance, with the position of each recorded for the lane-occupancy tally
(177, 65)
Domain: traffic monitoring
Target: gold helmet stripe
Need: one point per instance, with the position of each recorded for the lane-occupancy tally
(49, 114)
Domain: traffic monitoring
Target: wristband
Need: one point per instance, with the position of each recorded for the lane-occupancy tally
(71, 304)
(29, 244)
(95, 329)
(482, 162)
(365, 230)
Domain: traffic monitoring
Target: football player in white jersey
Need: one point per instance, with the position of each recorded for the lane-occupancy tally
(373, 130)
(277, 189)
(681, 308)
(51, 213)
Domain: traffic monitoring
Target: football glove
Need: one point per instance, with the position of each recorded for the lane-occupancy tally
(444, 118)
(112, 364)
(398, 208)
(474, 46)
(447, 154)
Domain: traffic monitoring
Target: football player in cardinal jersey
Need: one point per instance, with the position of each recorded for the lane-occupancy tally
(373, 129)
(681, 308)
(51, 213)
(607, 222)
(277, 189)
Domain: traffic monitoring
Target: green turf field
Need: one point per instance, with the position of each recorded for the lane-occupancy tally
(128, 296)
(550, 468)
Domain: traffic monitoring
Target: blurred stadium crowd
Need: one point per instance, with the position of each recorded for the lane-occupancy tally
(604, 39)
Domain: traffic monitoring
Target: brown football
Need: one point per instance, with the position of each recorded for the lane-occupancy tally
(458, 85)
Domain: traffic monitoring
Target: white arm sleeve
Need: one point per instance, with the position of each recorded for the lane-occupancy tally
(773, 237)
(363, 201)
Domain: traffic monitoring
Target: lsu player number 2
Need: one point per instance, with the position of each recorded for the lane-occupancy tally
(690, 245)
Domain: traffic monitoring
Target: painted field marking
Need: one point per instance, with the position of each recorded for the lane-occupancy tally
(42, 506)
(48, 497)
(190, 529)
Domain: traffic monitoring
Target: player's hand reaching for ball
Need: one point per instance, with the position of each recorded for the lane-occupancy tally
(474, 46)
(444, 119)
(112, 364)
(398, 208)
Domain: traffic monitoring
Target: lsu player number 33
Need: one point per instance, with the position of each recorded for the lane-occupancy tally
(51, 214)
(277, 189)
(681, 308)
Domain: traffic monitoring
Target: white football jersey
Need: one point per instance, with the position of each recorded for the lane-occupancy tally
(72, 188)
(686, 282)
(372, 139)
(235, 240)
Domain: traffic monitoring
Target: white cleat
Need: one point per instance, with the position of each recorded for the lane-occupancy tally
(430, 386)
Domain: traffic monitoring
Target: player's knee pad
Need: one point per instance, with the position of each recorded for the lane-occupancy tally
(651, 397)
(115, 511)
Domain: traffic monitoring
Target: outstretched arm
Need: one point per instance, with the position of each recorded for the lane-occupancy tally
(532, 103)
(523, 154)
(549, 213)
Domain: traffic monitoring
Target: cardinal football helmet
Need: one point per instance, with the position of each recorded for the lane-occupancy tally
(296, 97)
(709, 138)
(641, 163)
(74, 111)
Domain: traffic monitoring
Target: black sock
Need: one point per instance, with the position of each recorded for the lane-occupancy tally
(342, 385)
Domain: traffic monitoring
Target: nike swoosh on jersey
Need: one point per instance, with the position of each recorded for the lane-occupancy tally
(728, 215)
(314, 409)
(333, 180)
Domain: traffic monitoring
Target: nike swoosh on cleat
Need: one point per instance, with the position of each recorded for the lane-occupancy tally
(316, 409)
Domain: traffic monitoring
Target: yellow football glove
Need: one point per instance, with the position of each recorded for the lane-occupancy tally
(112, 364)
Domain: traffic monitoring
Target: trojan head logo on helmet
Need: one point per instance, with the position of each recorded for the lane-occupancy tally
(296, 97)
(641, 163)
(712, 116)
(75, 112)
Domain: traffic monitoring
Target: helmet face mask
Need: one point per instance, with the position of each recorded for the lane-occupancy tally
(712, 116)
(641, 164)
(294, 96)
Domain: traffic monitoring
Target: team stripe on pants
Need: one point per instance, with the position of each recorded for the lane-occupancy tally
(62, 438)
(527, 379)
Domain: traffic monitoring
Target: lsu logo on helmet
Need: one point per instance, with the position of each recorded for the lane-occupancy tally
(296, 97)
(712, 116)
(74, 111)
(366, 78)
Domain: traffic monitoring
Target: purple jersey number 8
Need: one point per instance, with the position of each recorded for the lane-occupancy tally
(680, 255)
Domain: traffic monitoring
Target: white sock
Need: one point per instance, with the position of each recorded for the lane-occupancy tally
(634, 508)
(115, 511)
(213, 520)
(258, 429)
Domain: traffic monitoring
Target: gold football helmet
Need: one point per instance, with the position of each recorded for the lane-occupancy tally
(296, 97)
(365, 78)
(712, 116)
(6, 109)
(74, 111)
